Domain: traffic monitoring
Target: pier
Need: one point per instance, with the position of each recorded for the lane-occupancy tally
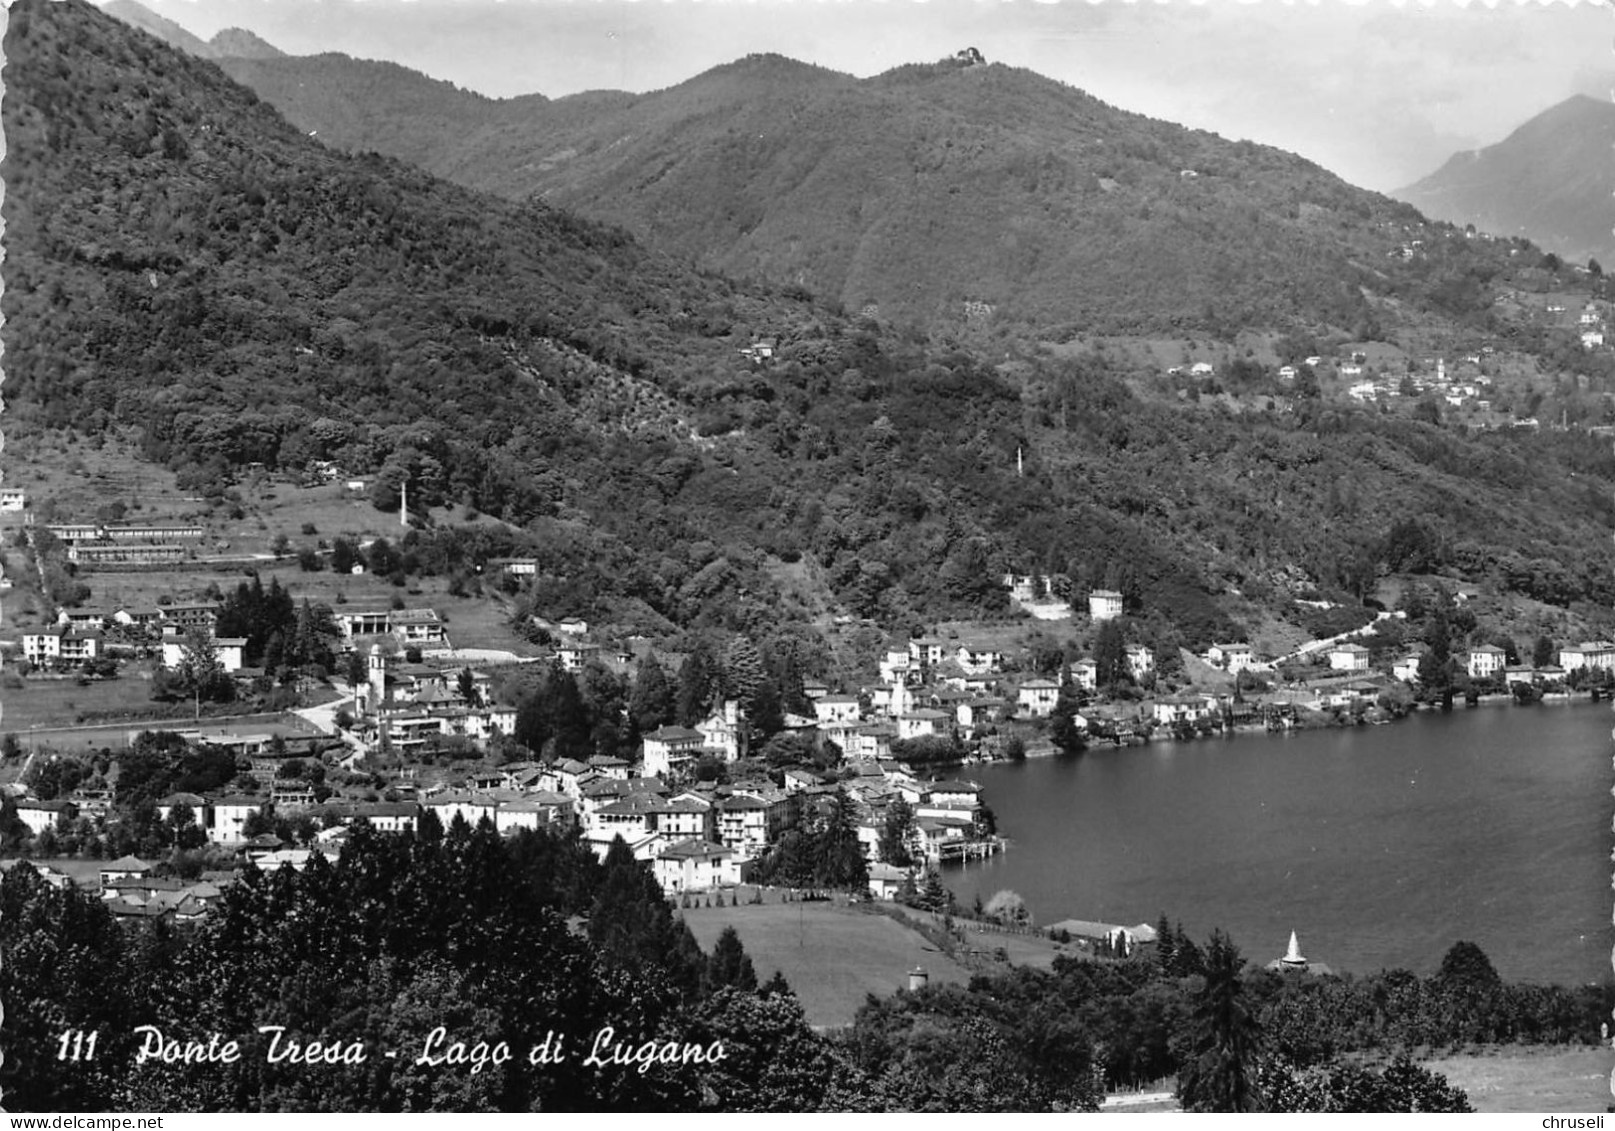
(969, 849)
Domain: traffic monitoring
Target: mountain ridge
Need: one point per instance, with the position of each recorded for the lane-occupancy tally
(887, 192)
(228, 42)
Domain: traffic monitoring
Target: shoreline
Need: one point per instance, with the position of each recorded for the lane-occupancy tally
(1163, 734)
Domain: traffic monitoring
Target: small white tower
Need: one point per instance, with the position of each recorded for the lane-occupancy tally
(902, 699)
(1292, 959)
(403, 506)
(377, 668)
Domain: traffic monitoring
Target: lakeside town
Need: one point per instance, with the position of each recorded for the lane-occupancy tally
(459, 611)
(319, 716)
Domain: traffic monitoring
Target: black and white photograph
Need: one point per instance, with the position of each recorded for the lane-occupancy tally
(806, 556)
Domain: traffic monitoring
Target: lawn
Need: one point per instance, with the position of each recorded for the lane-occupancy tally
(58, 702)
(1526, 1078)
(833, 957)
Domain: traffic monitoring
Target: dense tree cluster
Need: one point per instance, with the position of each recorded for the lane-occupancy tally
(461, 929)
(514, 939)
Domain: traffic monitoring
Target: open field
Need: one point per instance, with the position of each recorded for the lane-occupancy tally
(1525, 1078)
(833, 957)
(115, 736)
(82, 478)
(55, 702)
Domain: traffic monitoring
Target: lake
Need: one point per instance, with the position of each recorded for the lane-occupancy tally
(1379, 846)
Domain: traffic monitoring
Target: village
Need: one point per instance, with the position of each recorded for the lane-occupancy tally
(1473, 383)
(405, 727)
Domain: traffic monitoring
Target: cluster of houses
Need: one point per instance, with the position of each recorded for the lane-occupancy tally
(1480, 662)
(80, 635)
(1466, 387)
(1589, 323)
(407, 705)
(696, 837)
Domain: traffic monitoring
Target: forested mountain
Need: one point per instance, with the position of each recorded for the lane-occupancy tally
(187, 271)
(928, 192)
(1549, 181)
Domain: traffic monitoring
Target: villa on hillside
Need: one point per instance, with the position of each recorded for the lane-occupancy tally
(1233, 658)
(1104, 604)
(1348, 658)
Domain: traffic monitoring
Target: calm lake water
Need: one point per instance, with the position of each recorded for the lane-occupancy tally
(1380, 846)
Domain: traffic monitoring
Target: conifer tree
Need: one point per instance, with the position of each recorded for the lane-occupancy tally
(896, 833)
(696, 679)
(730, 965)
(652, 702)
(1225, 1037)
(743, 672)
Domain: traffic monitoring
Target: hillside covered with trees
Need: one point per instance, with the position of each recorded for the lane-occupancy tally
(948, 195)
(190, 275)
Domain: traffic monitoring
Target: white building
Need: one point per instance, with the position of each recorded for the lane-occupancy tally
(837, 709)
(1486, 661)
(1348, 658)
(1037, 696)
(695, 865)
(1104, 604)
(228, 649)
(57, 643)
(1595, 655)
(230, 818)
(922, 723)
(1233, 658)
(1139, 660)
(669, 750)
(726, 732)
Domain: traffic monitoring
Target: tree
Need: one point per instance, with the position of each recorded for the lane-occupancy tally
(1224, 1037)
(1544, 653)
(697, 680)
(730, 965)
(1110, 655)
(839, 860)
(897, 834)
(743, 673)
(935, 896)
(651, 703)
(380, 558)
(1007, 907)
(200, 670)
(1063, 728)
(344, 555)
(632, 924)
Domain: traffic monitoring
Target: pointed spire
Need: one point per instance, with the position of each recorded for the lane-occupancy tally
(1293, 955)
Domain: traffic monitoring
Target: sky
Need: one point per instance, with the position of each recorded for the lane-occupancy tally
(1380, 93)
